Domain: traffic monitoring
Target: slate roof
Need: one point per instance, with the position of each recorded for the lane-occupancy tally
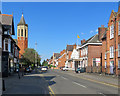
(70, 47)
(93, 39)
(16, 41)
(56, 55)
(7, 20)
(22, 21)
(104, 35)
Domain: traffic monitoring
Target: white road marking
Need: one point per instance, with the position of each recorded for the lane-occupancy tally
(101, 94)
(79, 84)
(58, 75)
(64, 78)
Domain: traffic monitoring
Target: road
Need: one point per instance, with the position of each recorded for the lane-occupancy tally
(56, 82)
(62, 83)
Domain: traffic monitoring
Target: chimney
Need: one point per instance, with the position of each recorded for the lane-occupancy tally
(83, 41)
(101, 31)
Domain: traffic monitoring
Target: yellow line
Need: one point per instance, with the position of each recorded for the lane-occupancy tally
(51, 91)
(108, 84)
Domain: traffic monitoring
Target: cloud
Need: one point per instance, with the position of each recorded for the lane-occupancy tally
(91, 31)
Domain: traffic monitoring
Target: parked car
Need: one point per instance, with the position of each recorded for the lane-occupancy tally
(61, 67)
(44, 68)
(28, 70)
(65, 69)
(80, 70)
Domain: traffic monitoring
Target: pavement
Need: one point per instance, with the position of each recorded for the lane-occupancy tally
(31, 83)
(57, 82)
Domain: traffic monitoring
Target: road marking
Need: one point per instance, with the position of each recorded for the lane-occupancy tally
(100, 82)
(101, 94)
(53, 94)
(64, 78)
(79, 84)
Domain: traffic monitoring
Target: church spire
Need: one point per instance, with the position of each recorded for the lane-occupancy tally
(22, 21)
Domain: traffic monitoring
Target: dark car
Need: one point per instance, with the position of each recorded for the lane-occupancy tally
(80, 70)
(28, 70)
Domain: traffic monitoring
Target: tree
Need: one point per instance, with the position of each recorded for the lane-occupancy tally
(29, 57)
(45, 63)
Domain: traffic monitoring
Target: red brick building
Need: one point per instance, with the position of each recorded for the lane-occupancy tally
(62, 59)
(111, 45)
(22, 35)
(90, 53)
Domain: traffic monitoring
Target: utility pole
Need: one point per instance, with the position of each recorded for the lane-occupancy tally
(35, 54)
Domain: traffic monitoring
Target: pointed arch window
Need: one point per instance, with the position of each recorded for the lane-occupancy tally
(21, 32)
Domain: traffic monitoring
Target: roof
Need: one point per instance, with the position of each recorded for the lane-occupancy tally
(70, 47)
(16, 41)
(57, 55)
(22, 21)
(104, 35)
(8, 20)
(93, 39)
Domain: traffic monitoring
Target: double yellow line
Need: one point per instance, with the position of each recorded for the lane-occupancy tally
(52, 92)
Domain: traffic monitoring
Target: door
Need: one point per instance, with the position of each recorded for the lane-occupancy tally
(111, 67)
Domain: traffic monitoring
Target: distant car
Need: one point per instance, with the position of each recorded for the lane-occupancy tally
(44, 68)
(65, 69)
(80, 70)
(61, 67)
(28, 70)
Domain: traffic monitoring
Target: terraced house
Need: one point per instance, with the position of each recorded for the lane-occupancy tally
(10, 50)
(111, 45)
(90, 53)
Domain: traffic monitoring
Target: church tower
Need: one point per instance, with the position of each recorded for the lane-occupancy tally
(22, 35)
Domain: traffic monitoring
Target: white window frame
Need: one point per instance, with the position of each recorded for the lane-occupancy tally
(112, 31)
(118, 50)
(118, 63)
(111, 51)
(105, 64)
(119, 28)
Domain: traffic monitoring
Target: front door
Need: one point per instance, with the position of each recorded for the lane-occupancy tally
(111, 67)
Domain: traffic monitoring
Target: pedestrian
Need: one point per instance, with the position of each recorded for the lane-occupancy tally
(19, 74)
(22, 70)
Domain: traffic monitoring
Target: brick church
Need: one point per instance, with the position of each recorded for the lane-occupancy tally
(22, 36)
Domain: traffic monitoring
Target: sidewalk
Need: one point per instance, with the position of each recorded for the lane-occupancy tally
(28, 84)
(109, 79)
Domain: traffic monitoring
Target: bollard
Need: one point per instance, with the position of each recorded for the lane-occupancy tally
(3, 85)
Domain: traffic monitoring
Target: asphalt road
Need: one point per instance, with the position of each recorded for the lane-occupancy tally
(61, 83)
(55, 82)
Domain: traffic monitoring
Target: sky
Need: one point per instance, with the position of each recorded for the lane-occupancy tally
(53, 25)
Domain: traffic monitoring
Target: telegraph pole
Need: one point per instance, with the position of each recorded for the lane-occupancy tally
(35, 54)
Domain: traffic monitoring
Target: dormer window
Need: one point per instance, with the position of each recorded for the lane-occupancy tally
(111, 31)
